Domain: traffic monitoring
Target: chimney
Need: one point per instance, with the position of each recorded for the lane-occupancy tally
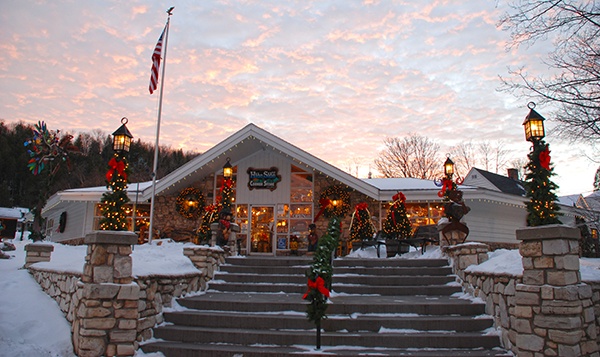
(513, 174)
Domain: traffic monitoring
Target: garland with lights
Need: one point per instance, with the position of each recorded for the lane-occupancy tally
(541, 208)
(320, 276)
(396, 224)
(114, 201)
(361, 226)
(190, 203)
(334, 202)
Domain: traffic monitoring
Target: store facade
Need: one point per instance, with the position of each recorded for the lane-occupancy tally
(278, 191)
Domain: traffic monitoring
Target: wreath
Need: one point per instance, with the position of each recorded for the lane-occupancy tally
(334, 202)
(62, 222)
(190, 203)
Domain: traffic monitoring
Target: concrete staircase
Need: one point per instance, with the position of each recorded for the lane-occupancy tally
(384, 307)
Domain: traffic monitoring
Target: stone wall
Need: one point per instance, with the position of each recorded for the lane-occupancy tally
(551, 317)
(156, 293)
(169, 223)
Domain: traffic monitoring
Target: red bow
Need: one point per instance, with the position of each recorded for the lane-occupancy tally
(225, 223)
(545, 159)
(324, 202)
(399, 196)
(116, 165)
(446, 185)
(360, 207)
(319, 285)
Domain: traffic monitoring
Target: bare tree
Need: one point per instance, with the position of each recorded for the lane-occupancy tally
(413, 156)
(574, 27)
(464, 156)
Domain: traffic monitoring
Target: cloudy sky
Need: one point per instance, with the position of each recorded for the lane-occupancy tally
(332, 77)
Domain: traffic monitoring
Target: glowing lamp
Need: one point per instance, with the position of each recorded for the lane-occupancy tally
(534, 124)
(122, 138)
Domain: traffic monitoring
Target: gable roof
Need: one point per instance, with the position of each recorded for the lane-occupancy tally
(494, 181)
(247, 142)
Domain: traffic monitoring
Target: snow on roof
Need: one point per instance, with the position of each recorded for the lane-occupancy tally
(132, 187)
(403, 183)
(12, 213)
(569, 200)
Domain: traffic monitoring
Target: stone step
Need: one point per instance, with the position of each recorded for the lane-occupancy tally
(391, 307)
(376, 280)
(340, 304)
(269, 261)
(386, 271)
(390, 338)
(407, 263)
(292, 320)
(179, 349)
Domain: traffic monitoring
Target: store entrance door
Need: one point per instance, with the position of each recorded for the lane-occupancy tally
(262, 223)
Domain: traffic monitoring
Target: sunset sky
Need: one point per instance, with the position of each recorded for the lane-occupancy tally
(334, 78)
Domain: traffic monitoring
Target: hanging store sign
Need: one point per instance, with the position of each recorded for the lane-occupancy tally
(263, 178)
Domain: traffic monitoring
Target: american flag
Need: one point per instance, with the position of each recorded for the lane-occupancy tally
(156, 62)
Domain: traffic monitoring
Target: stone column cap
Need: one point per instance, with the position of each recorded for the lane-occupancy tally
(39, 247)
(550, 231)
(111, 237)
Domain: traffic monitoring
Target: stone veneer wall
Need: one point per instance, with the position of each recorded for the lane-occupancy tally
(499, 292)
(169, 222)
(155, 291)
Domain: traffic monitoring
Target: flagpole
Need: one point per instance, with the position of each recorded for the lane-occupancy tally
(155, 166)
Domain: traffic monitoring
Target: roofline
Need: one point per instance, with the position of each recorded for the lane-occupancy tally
(252, 131)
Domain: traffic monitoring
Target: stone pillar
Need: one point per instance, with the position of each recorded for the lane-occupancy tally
(553, 314)
(463, 255)
(449, 236)
(37, 252)
(106, 317)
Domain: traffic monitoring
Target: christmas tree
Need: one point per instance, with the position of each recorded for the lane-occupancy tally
(396, 224)
(114, 201)
(541, 208)
(361, 226)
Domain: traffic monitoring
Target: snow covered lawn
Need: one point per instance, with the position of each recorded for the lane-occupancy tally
(32, 325)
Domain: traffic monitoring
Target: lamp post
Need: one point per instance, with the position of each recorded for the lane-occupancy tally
(227, 186)
(114, 200)
(541, 208)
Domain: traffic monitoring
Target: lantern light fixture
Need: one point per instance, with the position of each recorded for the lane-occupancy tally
(227, 169)
(534, 125)
(122, 138)
(449, 167)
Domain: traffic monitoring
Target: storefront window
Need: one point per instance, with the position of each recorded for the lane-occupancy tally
(142, 217)
(419, 214)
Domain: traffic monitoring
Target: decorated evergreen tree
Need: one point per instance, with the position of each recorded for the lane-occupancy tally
(113, 201)
(211, 215)
(542, 208)
(226, 194)
(396, 224)
(320, 275)
(361, 226)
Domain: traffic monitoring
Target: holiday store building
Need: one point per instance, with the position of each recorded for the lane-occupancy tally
(276, 189)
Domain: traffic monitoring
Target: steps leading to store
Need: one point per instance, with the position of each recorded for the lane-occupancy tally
(390, 307)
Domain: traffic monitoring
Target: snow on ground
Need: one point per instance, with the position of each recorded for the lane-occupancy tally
(32, 325)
